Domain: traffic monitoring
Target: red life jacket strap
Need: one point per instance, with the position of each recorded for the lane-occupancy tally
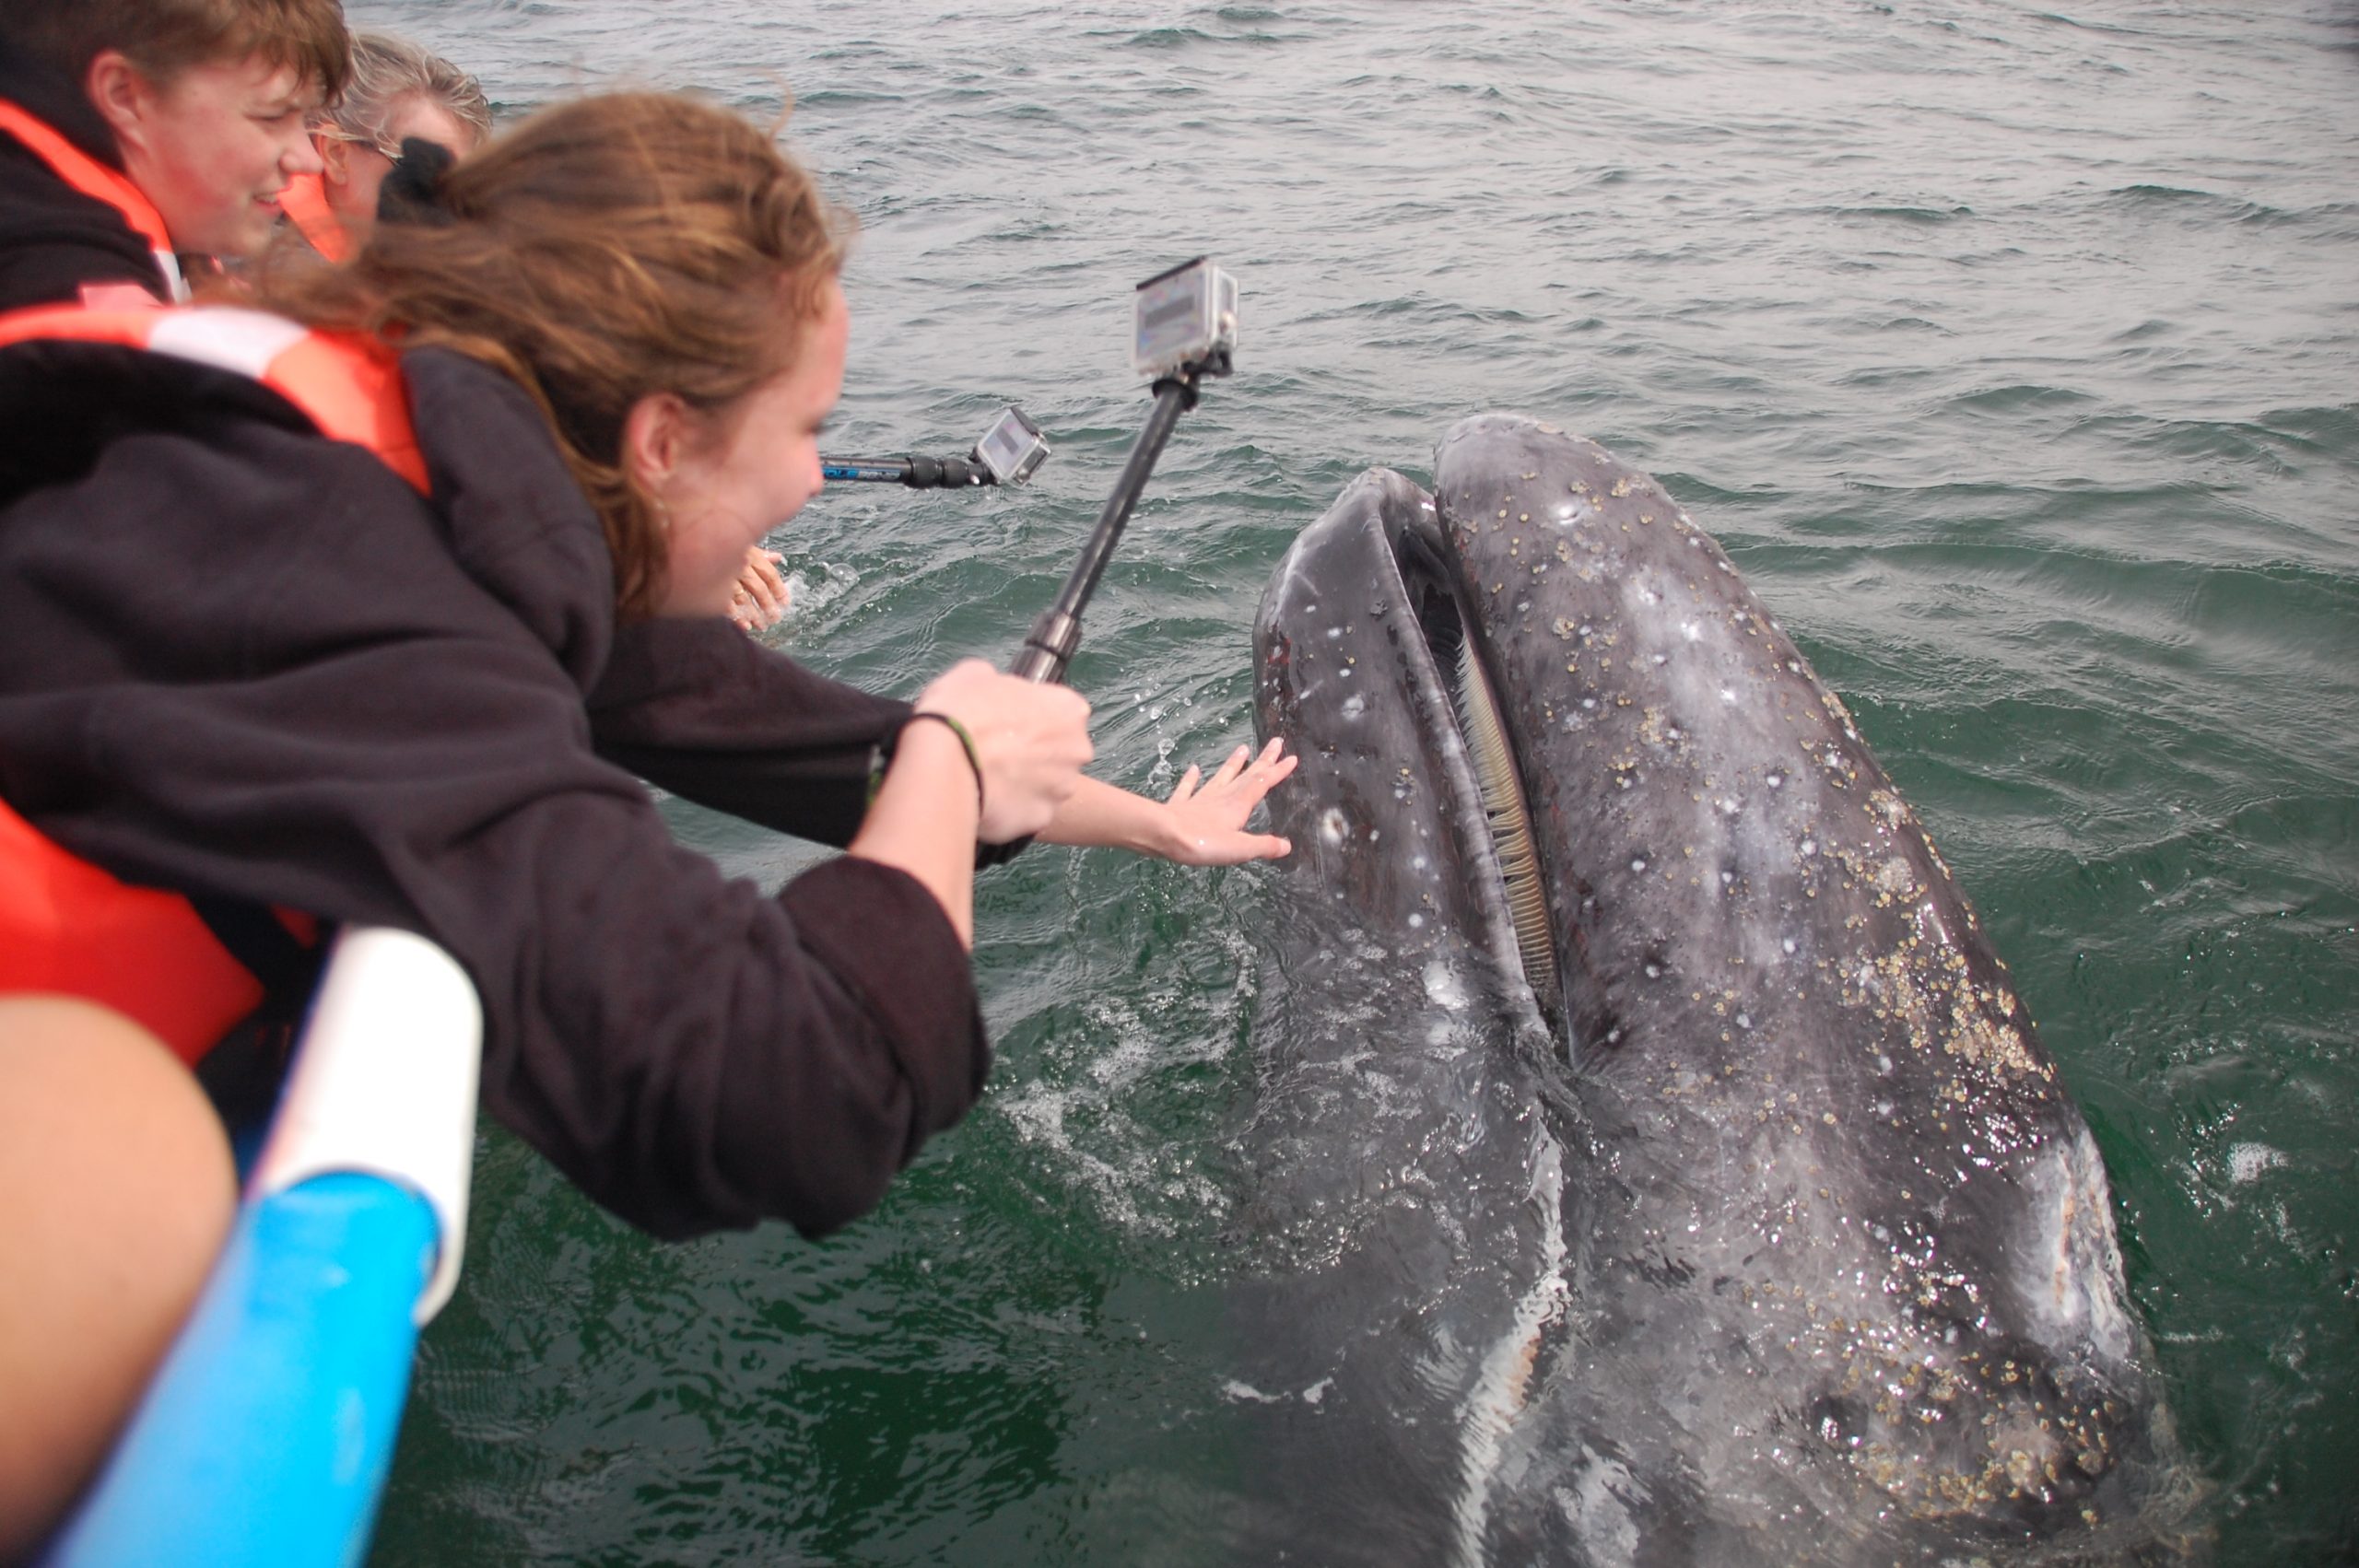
(95, 180)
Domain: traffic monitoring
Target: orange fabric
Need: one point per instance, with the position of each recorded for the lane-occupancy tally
(305, 200)
(67, 926)
(348, 384)
(79, 324)
(351, 386)
(94, 178)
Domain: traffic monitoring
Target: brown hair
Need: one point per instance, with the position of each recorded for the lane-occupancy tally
(613, 248)
(164, 37)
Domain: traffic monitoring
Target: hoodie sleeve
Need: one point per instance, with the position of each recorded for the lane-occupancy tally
(304, 697)
(701, 709)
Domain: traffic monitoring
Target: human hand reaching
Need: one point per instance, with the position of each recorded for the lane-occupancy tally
(1208, 821)
(762, 595)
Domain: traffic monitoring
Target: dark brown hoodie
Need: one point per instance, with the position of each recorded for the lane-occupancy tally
(241, 660)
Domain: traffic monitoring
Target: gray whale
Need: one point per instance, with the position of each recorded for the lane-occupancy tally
(1723, 1207)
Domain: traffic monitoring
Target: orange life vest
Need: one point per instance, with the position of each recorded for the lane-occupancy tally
(305, 200)
(94, 178)
(69, 926)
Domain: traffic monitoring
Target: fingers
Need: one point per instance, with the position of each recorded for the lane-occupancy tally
(1031, 743)
(1249, 782)
(1232, 848)
(761, 595)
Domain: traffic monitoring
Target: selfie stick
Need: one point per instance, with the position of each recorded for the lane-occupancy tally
(1186, 329)
(1008, 453)
(917, 472)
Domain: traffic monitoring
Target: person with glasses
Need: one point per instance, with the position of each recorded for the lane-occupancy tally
(398, 91)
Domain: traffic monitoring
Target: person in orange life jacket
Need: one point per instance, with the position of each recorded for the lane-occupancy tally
(616, 355)
(398, 91)
(134, 132)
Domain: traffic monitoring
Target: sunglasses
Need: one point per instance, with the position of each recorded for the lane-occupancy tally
(391, 153)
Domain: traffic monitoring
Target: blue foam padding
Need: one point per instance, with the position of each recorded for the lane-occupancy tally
(267, 1436)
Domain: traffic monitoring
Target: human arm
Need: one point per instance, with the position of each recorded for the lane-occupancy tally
(938, 802)
(691, 1052)
(1195, 826)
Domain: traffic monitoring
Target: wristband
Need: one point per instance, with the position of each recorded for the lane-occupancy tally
(883, 755)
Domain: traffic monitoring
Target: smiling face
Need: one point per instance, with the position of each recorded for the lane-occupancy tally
(213, 146)
(726, 479)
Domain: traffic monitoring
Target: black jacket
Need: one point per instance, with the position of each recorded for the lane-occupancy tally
(52, 237)
(239, 659)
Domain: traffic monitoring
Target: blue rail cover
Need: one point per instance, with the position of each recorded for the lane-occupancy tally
(267, 1436)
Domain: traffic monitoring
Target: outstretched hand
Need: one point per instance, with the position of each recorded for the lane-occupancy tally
(761, 600)
(1208, 819)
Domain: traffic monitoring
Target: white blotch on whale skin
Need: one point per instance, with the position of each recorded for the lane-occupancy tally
(1354, 705)
(2070, 1262)
(1444, 988)
(1334, 634)
(2247, 1161)
(1331, 827)
(1788, 944)
(1598, 1507)
(1689, 630)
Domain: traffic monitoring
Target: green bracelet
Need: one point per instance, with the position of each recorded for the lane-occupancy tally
(882, 757)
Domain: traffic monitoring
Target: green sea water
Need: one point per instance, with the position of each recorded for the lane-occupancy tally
(2009, 349)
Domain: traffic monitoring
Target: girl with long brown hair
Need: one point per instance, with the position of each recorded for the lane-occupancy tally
(390, 678)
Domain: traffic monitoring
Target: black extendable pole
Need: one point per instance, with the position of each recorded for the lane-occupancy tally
(917, 472)
(1050, 646)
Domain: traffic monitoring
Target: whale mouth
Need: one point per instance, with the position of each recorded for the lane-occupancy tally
(1428, 573)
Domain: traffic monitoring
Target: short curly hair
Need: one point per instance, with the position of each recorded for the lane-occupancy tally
(164, 37)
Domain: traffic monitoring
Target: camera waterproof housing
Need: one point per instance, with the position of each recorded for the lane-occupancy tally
(1183, 317)
(1008, 453)
(1013, 448)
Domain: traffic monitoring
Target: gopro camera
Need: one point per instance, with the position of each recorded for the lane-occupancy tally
(1186, 316)
(1013, 448)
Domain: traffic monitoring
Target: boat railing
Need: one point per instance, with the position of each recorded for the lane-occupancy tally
(267, 1436)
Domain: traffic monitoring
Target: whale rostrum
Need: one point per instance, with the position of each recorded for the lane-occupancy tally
(1652, 1156)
